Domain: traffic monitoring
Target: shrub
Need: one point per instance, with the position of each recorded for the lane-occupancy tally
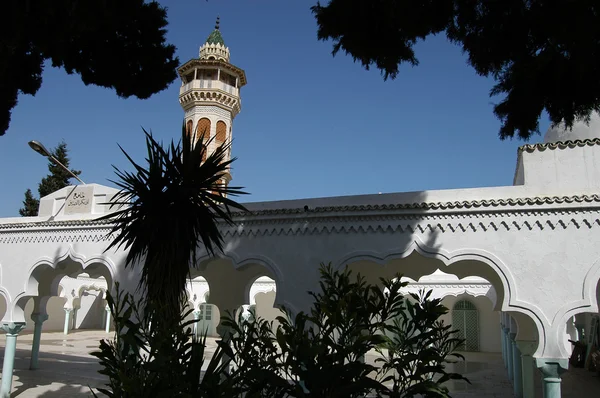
(320, 353)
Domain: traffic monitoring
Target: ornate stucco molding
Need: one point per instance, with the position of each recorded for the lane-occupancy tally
(502, 204)
(559, 145)
(342, 219)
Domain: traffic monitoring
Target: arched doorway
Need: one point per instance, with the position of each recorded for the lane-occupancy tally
(465, 319)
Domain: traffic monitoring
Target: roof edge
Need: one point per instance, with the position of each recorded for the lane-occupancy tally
(558, 145)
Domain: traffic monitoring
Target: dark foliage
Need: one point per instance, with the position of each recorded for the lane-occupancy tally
(30, 205)
(166, 210)
(58, 178)
(321, 353)
(316, 354)
(544, 55)
(148, 359)
(118, 44)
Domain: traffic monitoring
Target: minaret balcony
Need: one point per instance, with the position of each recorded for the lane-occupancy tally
(209, 84)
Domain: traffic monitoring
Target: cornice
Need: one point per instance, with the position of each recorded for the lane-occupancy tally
(559, 145)
(63, 224)
(443, 213)
(427, 224)
(216, 63)
(212, 96)
(448, 285)
(457, 205)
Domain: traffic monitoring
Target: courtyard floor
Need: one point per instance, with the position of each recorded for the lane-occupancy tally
(66, 369)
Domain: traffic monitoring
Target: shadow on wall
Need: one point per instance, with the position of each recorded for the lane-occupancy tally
(91, 312)
(55, 309)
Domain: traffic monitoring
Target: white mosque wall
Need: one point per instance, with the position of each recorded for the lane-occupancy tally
(56, 312)
(264, 307)
(56, 315)
(92, 311)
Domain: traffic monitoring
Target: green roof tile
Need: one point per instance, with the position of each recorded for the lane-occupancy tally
(215, 37)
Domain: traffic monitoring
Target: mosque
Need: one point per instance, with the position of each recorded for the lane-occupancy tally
(518, 266)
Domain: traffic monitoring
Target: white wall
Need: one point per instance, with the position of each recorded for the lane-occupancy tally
(264, 307)
(91, 313)
(56, 314)
(90, 316)
(489, 321)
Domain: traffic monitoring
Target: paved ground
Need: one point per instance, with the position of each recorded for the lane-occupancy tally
(67, 370)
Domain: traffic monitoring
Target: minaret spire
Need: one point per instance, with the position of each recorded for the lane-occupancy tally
(217, 23)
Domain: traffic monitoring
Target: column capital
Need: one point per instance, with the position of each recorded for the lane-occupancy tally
(512, 335)
(69, 310)
(552, 368)
(526, 347)
(13, 328)
(39, 317)
(197, 314)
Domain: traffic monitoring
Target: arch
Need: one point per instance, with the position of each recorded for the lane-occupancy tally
(47, 273)
(203, 129)
(252, 290)
(587, 303)
(465, 319)
(230, 281)
(237, 262)
(221, 134)
(4, 295)
(454, 261)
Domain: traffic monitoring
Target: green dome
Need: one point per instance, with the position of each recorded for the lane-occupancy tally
(215, 37)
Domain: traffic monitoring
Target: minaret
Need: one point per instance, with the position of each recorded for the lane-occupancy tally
(210, 92)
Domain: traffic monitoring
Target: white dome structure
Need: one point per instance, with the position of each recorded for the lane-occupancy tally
(580, 131)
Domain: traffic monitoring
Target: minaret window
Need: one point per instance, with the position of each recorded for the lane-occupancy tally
(221, 132)
(189, 127)
(203, 129)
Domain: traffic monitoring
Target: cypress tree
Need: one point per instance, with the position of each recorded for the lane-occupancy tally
(58, 178)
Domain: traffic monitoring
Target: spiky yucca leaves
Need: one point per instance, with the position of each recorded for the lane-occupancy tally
(166, 209)
(162, 360)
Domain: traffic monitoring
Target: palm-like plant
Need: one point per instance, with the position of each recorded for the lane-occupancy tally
(167, 209)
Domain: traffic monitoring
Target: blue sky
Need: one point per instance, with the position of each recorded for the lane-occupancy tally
(311, 125)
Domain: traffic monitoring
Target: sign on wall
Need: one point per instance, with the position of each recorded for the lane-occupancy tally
(79, 200)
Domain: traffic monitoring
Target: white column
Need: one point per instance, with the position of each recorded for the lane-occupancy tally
(107, 326)
(12, 330)
(67, 326)
(527, 348)
(38, 319)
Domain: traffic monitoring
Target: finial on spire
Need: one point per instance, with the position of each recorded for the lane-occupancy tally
(217, 24)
